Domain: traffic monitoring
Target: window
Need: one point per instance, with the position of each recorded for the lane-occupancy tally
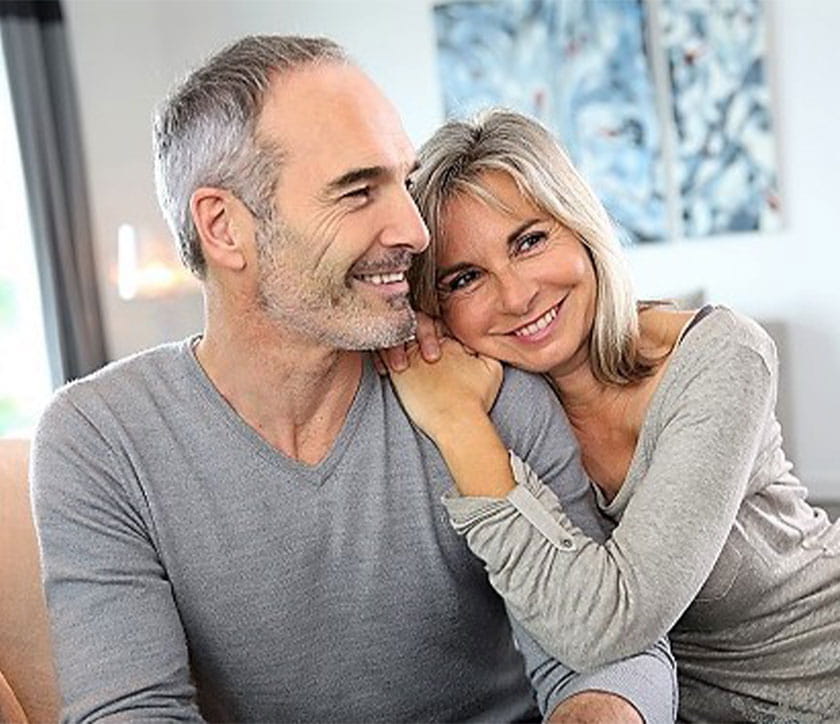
(25, 379)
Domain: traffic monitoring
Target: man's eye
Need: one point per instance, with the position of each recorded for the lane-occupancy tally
(362, 193)
(459, 281)
(530, 241)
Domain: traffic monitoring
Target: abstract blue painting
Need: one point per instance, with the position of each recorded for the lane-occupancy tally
(725, 157)
(690, 145)
(579, 67)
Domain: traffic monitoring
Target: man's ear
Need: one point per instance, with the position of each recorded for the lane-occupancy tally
(224, 225)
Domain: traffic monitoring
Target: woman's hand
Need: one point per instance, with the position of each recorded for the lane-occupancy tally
(428, 336)
(445, 397)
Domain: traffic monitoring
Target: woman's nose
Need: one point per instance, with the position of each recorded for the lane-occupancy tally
(517, 291)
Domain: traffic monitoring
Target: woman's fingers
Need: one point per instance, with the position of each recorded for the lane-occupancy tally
(379, 364)
(428, 337)
(392, 359)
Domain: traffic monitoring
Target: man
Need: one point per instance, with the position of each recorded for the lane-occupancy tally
(244, 526)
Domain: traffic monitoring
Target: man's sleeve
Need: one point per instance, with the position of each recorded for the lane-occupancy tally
(119, 644)
(648, 680)
(532, 422)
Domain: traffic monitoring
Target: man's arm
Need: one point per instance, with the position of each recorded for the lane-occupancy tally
(592, 707)
(639, 688)
(119, 644)
(531, 421)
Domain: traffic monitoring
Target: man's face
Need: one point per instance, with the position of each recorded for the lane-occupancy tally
(332, 263)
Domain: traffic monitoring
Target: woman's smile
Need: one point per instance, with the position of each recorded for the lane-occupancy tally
(540, 328)
(514, 284)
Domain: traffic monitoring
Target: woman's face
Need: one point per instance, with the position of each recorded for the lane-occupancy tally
(519, 287)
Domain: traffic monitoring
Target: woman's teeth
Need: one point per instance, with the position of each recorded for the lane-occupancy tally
(539, 324)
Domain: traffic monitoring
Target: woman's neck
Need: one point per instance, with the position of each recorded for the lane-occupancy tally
(607, 418)
(586, 398)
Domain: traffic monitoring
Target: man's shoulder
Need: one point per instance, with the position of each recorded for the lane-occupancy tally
(163, 358)
(524, 394)
(527, 409)
(120, 383)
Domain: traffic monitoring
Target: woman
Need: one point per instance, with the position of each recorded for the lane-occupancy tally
(673, 412)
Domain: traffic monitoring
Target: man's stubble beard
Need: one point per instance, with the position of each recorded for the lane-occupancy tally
(323, 306)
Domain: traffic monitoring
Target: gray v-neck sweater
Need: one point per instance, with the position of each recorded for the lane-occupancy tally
(716, 543)
(194, 572)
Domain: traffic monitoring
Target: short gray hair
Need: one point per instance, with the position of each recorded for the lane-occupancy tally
(205, 132)
(452, 162)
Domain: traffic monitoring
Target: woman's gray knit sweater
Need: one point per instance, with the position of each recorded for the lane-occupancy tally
(715, 543)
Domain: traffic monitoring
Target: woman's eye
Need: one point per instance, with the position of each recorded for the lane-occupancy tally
(530, 241)
(459, 281)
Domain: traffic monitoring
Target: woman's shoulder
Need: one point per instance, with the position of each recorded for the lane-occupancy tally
(660, 326)
(718, 329)
(723, 358)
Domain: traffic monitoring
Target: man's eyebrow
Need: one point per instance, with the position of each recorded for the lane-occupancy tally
(510, 241)
(353, 176)
(366, 173)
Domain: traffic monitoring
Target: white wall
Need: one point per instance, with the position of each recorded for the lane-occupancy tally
(127, 53)
(789, 277)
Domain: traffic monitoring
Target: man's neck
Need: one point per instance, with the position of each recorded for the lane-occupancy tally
(295, 394)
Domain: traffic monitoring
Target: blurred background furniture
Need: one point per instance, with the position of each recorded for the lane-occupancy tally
(27, 676)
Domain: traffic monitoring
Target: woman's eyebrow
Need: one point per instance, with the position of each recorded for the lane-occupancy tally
(510, 241)
(517, 232)
(446, 271)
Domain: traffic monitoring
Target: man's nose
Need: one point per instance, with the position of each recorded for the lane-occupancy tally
(405, 226)
(516, 290)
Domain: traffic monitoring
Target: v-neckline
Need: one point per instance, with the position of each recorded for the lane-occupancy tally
(314, 474)
(615, 507)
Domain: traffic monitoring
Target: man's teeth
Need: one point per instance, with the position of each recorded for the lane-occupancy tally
(541, 323)
(383, 278)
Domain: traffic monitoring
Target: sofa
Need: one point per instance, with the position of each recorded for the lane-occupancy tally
(28, 688)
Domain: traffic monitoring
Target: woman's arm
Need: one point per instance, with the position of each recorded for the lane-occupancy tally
(450, 400)
(648, 680)
(586, 602)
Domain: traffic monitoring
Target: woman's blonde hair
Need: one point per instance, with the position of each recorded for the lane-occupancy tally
(452, 162)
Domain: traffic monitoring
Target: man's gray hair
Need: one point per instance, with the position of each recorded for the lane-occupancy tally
(205, 131)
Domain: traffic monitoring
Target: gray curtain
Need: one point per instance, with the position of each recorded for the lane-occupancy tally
(41, 84)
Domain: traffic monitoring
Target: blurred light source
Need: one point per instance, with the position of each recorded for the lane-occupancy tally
(127, 276)
(147, 267)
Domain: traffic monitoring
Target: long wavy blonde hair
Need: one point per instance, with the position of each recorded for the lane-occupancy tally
(452, 163)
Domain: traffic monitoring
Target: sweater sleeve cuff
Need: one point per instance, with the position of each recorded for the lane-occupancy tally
(533, 500)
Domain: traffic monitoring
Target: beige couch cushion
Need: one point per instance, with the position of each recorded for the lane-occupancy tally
(11, 711)
(25, 654)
